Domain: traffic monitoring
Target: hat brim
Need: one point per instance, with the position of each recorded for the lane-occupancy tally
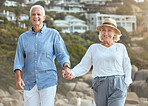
(99, 28)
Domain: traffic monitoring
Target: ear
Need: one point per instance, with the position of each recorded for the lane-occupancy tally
(44, 17)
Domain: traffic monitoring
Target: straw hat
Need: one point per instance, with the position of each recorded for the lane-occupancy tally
(111, 23)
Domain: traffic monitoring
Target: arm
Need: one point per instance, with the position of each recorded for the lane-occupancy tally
(84, 66)
(19, 81)
(18, 64)
(60, 51)
(127, 67)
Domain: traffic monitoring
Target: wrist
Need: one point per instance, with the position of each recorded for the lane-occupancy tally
(67, 66)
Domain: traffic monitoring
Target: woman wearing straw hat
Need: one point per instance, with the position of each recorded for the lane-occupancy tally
(111, 66)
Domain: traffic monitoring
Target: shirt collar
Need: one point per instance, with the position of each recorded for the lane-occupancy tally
(42, 30)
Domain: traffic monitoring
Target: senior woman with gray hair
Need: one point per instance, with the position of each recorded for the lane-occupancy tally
(36, 52)
(111, 66)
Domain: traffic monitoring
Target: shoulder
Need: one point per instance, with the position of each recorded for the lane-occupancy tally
(51, 30)
(27, 33)
(93, 46)
(120, 45)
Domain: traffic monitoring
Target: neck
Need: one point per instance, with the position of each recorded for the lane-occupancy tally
(107, 43)
(37, 28)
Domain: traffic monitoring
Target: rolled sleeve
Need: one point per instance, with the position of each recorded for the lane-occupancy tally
(19, 56)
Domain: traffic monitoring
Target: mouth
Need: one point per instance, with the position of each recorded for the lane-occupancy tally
(36, 20)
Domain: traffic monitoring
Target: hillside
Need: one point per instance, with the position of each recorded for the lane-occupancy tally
(77, 45)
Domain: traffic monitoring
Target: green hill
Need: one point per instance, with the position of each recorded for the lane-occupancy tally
(76, 44)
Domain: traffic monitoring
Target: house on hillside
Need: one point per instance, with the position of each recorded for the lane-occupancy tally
(13, 4)
(139, 0)
(71, 25)
(66, 2)
(10, 3)
(126, 21)
(12, 17)
(65, 9)
(100, 2)
(47, 2)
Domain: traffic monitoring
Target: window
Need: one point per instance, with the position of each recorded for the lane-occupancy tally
(84, 28)
(77, 27)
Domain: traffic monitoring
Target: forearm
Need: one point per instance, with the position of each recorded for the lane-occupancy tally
(18, 74)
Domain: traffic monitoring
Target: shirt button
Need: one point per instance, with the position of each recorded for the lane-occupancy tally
(35, 70)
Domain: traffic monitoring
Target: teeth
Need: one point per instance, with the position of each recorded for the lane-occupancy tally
(36, 20)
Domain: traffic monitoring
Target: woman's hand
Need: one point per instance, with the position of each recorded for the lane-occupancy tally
(67, 74)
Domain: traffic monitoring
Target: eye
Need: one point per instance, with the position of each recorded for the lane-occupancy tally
(33, 14)
(39, 14)
(103, 30)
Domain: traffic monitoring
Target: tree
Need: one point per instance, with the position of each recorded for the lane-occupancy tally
(17, 13)
(28, 24)
(2, 2)
(60, 16)
(48, 21)
(125, 9)
(42, 3)
(20, 1)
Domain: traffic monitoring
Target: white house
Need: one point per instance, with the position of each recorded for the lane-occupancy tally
(139, 0)
(9, 15)
(10, 3)
(13, 4)
(24, 17)
(126, 21)
(63, 25)
(101, 2)
(34, 1)
(71, 25)
(67, 2)
(65, 9)
(12, 17)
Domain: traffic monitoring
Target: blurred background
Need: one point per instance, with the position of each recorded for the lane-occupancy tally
(76, 20)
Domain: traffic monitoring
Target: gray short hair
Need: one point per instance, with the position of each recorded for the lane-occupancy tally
(38, 6)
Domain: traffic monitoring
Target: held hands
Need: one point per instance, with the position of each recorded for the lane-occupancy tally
(67, 74)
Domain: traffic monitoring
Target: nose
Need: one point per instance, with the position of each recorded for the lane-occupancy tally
(35, 15)
(106, 32)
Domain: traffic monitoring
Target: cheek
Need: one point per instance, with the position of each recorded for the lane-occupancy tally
(111, 35)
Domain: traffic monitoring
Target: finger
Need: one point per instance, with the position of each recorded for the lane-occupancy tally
(70, 76)
(23, 83)
(63, 73)
(19, 86)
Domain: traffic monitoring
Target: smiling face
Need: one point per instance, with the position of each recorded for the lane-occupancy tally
(37, 17)
(107, 33)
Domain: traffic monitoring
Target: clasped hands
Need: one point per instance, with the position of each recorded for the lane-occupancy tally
(67, 74)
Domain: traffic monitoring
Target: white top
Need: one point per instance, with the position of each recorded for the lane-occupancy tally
(106, 61)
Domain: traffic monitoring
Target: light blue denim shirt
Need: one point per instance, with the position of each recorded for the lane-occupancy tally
(36, 53)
